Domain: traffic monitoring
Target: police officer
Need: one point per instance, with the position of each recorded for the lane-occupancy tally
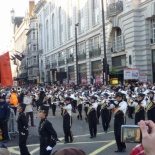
(139, 109)
(48, 136)
(92, 117)
(119, 120)
(150, 108)
(67, 120)
(4, 117)
(23, 129)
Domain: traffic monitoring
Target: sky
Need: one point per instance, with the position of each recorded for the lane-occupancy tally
(20, 7)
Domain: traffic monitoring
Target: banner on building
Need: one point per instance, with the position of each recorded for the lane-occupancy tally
(84, 80)
(143, 77)
(131, 74)
(5, 70)
(72, 81)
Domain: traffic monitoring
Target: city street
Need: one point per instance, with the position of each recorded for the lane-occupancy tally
(104, 143)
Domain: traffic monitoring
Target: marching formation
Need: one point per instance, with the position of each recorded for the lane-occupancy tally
(135, 100)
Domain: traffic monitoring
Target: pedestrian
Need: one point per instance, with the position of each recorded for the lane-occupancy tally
(29, 107)
(79, 107)
(67, 120)
(92, 117)
(23, 129)
(4, 117)
(54, 101)
(48, 136)
(14, 101)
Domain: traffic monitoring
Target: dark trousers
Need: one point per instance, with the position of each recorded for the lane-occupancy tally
(68, 135)
(131, 111)
(93, 128)
(80, 111)
(4, 128)
(53, 109)
(22, 144)
(105, 114)
(86, 110)
(118, 122)
(31, 116)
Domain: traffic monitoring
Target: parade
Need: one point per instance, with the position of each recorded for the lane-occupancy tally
(92, 104)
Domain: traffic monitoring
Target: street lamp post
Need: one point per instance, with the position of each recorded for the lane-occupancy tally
(76, 56)
(105, 76)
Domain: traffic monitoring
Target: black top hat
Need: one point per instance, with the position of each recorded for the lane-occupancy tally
(119, 94)
(23, 106)
(44, 108)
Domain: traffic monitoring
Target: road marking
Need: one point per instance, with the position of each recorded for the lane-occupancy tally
(102, 148)
(110, 142)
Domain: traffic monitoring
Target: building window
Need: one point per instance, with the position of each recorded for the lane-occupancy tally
(34, 37)
(60, 26)
(47, 36)
(69, 52)
(95, 8)
(81, 16)
(82, 48)
(34, 47)
(53, 31)
(153, 31)
(119, 61)
(117, 41)
(35, 59)
(94, 43)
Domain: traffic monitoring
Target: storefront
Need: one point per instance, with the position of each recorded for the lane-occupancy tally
(82, 72)
(71, 76)
(97, 74)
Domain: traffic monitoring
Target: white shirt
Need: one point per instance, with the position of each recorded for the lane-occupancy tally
(28, 101)
(68, 108)
(94, 105)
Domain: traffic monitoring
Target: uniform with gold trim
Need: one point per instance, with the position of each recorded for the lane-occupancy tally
(92, 117)
(119, 120)
(150, 108)
(67, 120)
(140, 108)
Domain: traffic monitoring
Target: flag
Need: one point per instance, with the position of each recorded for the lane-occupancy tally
(5, 70)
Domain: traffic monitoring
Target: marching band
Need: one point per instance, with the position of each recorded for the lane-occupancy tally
(136, 99)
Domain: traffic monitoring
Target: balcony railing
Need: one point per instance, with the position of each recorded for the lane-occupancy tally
(95, 53)
(81, 56)
(61, 62)
(70, 60)
(48, 66)
(114, 9)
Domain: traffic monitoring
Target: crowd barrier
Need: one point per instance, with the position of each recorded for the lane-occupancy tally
(12, 124)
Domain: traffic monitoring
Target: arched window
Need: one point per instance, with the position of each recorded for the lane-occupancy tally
(47, 35)
(53, 30)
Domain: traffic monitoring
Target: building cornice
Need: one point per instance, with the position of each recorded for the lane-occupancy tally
(39, 6)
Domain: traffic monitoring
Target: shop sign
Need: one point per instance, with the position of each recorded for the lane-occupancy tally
(131, 74)
(98, 80)
(84, 80)
(143, 77)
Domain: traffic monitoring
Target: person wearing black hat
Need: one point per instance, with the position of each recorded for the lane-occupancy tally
(140, 108)
(92, 117)
(67, 120)
(150, 108)
(48, 136)
(23, 129)
(4, 117)
(105, 113)
(119, 115)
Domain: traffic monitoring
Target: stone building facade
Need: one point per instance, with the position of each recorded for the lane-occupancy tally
(130, 38)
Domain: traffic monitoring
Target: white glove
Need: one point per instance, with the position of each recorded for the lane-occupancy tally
(22, 133)
(48, 148)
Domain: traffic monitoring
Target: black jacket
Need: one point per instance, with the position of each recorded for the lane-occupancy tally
(22, 122)
(4, 111)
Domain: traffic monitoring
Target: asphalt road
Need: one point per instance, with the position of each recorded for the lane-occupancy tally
(103, 144)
